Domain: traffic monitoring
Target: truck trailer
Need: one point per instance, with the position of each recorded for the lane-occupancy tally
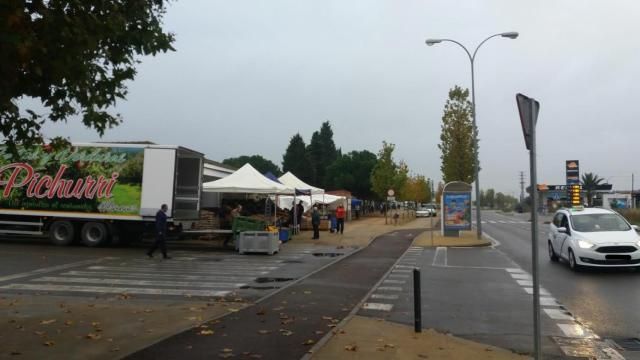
(97, 193)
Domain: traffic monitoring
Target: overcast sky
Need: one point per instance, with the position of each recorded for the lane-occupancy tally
(247, 75)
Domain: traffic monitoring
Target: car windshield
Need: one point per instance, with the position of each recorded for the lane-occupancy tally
(422, 209)
(599, 222)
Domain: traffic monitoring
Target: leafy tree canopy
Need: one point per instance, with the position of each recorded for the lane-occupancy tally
(387, 174)
(257, 161)
(322, 153)
(73, 57)
(456, 138)
(296, 160)
(352, 172)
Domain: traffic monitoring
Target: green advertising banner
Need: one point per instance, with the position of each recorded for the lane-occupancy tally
(100, 180)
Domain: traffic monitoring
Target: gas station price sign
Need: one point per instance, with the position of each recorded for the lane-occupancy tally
(574, 194)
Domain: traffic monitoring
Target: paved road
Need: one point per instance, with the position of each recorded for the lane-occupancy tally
(287, 324)
(80, 271)
(604, 301)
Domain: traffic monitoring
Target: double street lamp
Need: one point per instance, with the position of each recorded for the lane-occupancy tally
(430, 42)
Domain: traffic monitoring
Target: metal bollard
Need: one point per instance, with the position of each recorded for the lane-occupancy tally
(417, 302)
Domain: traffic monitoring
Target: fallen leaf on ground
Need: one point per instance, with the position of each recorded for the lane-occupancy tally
(95, 324)
(285, 322)
(92, 336)
(47, 322)
(278, 308)
(327, 318)
(309, 342)
(318, 332)
(286, 332)
(422, 356)
(49, 343)
(115, 349)
(390, 346)
(206, 332)
(225, 356)
(227, 350)
(332, 325)
(351, 348)
(255, 356)
(233, 309)
(148, 310)
(307, 292)
(68, 322)
(264, 332)
(192, 318)
(16, 353)
(39, 333)
(261, 312)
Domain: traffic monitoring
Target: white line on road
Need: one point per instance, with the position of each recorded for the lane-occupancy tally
(402, 270)
(548, 301)
(441, 253)
(377, 306)
(384, 296)
(576, 331)
(525, 282)
(155, 276)
(113, 290)
(57, 279)
(515, 270)
(402, 276)
(520, 276)
(54, 268)
(389, 288)
(530, 291)
(221, 269)
(557, 314)
(390, 281)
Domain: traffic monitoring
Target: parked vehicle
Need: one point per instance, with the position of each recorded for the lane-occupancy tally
(424, 211)
(98, 192)
(593, 237)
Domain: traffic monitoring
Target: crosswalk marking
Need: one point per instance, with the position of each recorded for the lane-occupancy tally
(59, 279)
(389, 288)
(391, 281)
(377, 306)
(157, 276)
(222, 269)
(384, 296)
(557, 314)
(114, 290)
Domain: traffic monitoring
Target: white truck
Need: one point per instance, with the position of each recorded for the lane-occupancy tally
(99, 192)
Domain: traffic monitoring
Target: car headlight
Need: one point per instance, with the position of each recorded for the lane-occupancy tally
(638, 243)
(585, 244)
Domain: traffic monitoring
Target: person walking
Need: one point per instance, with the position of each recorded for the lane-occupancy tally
(299, 212)
(161, 232)
(315, 222)
(340, 215)
(237, 211)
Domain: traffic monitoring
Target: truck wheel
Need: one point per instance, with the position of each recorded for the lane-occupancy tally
(94, 234)
(61, 233)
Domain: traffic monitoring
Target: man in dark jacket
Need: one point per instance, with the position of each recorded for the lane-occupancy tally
(161, 232)
(315, 222)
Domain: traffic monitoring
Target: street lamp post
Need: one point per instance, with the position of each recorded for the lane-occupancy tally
(476, 170)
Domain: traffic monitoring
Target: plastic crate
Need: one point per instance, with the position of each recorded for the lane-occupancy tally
(259, 242)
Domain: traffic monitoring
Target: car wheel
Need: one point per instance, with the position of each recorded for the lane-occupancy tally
(552, 253)
(573, 265)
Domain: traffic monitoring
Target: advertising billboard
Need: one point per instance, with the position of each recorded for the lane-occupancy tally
(457, 211)
(99, 180)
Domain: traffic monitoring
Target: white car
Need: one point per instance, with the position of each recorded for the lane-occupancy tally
(593, 237)
(425, 212)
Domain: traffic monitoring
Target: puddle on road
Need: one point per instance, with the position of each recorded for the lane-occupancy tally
(261, 280)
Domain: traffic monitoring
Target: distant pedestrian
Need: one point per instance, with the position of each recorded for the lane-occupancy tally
(161, 233)
(315, 222)
(299, 212)
(340, 215)
(237, 211)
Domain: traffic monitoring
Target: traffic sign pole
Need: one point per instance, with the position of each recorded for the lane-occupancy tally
(534, 234)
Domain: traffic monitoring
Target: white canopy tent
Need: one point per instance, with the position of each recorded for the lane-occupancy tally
(286, 202)
(292, 181)
(247, 180)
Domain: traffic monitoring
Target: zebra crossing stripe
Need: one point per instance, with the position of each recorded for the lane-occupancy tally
(548, 301)
(58, 279)
(520, 276)
(172, 271)
(54, 268)
(391, 281)
(575, 331)
(115, 290)
(384, 296)
(557, 314)
(389, 288)
(377, 306)
(155, 276)
(525, 282)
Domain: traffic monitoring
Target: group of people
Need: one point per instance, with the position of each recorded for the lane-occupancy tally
(161, 224)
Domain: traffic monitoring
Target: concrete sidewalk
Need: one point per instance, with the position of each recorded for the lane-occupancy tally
(371, 339)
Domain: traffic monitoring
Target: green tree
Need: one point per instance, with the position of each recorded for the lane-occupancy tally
(352, 172)
(322, 153)
(439, 192)
(257, 161)
(384, 172)
(296, 161)
(500, 201)
(590, 182)
(416, 189)
(456, 138)
(489, 199)
(72, 57)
